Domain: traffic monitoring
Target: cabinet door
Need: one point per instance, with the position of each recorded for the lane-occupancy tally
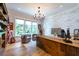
(39, 42)
(77, 51)
(62, 49)
(53, 46)
(70, 51)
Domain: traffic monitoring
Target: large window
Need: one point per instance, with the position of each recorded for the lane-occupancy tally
(34, 28)
(25, 27)
(19, 27)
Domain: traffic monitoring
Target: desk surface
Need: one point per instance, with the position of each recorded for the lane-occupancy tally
(60, 40)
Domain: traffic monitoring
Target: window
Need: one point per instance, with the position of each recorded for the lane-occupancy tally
(25, 27)
(19, 27)
(34, 28)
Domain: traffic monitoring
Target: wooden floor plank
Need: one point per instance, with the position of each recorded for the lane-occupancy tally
(18, 49)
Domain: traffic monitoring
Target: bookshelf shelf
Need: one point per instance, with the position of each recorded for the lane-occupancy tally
(3, 24)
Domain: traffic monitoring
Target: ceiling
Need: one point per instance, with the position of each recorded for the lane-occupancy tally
(46, 8)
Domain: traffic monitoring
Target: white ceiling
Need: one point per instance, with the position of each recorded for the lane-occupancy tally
(46, 8)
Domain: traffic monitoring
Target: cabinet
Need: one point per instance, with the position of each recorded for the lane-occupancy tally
(57, 48)
(49, 46)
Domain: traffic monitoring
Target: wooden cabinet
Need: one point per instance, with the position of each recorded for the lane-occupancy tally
(49, 46)
(56, 48)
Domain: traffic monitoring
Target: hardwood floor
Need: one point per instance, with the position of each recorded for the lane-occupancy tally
(18, 49)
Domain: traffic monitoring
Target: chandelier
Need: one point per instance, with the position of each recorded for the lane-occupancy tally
(39, 15)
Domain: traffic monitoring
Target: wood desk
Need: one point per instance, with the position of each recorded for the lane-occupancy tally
(57, 47)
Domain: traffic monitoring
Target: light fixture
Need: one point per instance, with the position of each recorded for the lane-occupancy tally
(60, 6)
(39, 15)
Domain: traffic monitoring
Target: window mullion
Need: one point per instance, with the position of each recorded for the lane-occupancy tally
(24, 26)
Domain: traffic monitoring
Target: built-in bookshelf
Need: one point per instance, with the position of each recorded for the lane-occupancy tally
(3, 24)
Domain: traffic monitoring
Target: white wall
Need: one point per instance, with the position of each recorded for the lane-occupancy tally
(13, 14)
(69, 19)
